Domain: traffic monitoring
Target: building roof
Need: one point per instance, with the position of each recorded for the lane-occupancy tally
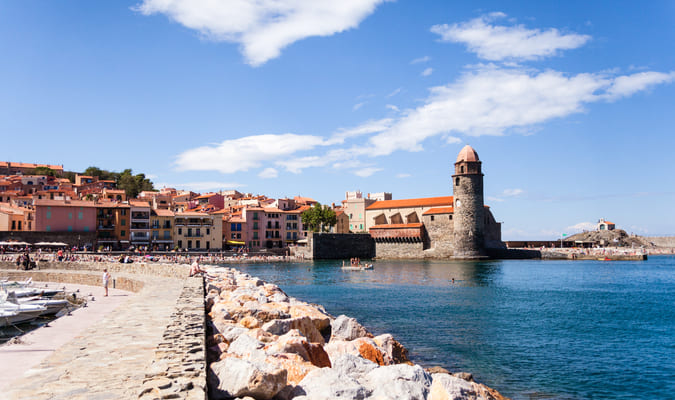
(163, 213)
(439, 210)
(467, 154)
(30, 165)
(397, 226)
(62, 203)
(139, 203)
(408, 203)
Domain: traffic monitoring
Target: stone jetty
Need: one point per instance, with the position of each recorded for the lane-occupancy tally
(263, 344)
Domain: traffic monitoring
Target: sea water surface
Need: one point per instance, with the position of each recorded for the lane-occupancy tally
(531, 329)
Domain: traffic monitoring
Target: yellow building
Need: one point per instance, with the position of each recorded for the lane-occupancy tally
(198, 231)
(161, 229)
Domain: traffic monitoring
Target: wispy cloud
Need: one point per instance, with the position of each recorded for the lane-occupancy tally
(401, 176)
(581, 226)
(421, 60)
(392, 107)
(366, 172)
(201, 186)
(268, 173)
(495, 43)
(427, 71)
(263, 27)
(245, 153)
(394, 93)
(358, 105)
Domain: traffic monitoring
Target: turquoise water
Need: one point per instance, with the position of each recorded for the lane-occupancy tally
(530, 329)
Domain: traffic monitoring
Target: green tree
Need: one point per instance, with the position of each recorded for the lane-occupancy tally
(319, 217)
(42, 171)
(133, 184)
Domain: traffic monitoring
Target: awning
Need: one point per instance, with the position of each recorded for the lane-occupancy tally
(236, 242)
(15, 244)
(57, 244)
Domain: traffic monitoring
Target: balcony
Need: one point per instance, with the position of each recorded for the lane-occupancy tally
(106, 227)
(139, 237)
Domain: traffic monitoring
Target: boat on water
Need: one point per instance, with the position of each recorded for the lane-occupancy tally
(11, 313)
(356, 267)
(52, 306)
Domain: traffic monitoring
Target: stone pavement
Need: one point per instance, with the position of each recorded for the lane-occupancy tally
(109, 358)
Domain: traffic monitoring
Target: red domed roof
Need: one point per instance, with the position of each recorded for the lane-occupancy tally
(467, 154)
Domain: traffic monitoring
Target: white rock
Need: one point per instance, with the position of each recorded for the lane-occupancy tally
(402, 382)
(351, 365)
(346, 328)
(448, 387)
(247, 347)
(238, 378)
(328, 384)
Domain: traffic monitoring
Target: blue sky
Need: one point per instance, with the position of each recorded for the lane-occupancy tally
(568, 104)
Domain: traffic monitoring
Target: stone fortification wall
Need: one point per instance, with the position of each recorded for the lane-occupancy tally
(661, 241)
(150, 268)
(440, 234)
(71, 238)
(331, 246)
(399, 250)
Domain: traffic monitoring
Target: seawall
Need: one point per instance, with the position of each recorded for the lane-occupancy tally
(151, 346)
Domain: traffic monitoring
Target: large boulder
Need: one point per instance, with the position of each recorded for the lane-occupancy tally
(320, 319)
(303, 324)
(328, 384)
(401, 381)
(392, 348)
(294, 342)
(363, 347)
(234, 377)
(247, 347)
(346, 328)
(353, 366)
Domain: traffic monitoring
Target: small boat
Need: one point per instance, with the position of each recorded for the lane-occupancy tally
(358, 267)
(11, 313)
(604, 259)
(52, 307)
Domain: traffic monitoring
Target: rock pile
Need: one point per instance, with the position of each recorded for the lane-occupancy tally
(262, 344)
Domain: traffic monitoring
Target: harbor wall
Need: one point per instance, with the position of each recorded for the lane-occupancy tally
(331, 246)
(71, 238)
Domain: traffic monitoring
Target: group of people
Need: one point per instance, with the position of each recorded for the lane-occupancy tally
(355, 261)
(23, 261)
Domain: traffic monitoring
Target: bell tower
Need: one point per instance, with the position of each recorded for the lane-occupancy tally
(469, 212)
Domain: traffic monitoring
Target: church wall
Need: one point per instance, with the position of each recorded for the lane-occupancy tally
(399, 250)
(440, 233)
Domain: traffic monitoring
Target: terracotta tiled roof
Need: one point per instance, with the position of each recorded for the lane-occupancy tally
(139, 203)
(61, 203)
(163, 213)
(408, 203)
(467, 154)
(439, 210)
(397, 226)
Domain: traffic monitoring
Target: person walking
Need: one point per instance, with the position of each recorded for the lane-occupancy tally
(105, 279)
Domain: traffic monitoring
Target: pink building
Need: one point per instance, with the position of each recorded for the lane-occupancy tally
(65, 216)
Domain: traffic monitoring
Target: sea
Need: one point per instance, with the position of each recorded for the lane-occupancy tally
(531, 329)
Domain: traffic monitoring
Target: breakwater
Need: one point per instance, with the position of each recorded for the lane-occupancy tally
(267, 345)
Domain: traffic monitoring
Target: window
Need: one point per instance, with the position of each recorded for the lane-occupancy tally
(180, 231)
(255, 235)
(189, 244)
(123, 233)
(233, 236)
(457, 181)
(361, 226)
(70, 228)
(450, 217)
(255, 225)
(86, 229)
(208, 231)
(124, 212)
(48, 228)
(180, 244)
(198, 245)
(80, 215)
(167, 235)
(238, 235)
(288, 235)
(155, 235)
(432, 217)
(70, 215)
(124, 222)
(49, 215)
(13, 225)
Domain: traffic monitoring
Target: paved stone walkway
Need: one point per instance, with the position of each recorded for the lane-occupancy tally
(109, 359)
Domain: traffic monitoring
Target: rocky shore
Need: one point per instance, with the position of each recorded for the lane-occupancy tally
(263, 344)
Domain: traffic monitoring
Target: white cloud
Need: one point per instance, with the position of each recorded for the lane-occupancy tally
(421, 60)
(357, 106)
(427, 72)
(392, 107)
(262, 27)
(368, 127)
(452, 140)
(628, 85)
(201, 186)
(512, 192)
(394, 93)
(497, 43)
(582, 226)
(402, 176)
(490, 100)
(242, 154)
(268, 173)
(366, 172)
(296, 165)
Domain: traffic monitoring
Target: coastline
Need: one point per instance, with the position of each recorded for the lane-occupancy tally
(267, 345)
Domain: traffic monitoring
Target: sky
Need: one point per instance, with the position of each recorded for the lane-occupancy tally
(570, 105)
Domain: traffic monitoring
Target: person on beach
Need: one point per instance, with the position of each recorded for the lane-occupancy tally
(105, 279)
(195, 269)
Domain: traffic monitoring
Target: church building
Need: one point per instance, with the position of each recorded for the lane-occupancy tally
(457, 226)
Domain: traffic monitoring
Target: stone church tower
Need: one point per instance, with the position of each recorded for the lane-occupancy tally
(469, 212)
